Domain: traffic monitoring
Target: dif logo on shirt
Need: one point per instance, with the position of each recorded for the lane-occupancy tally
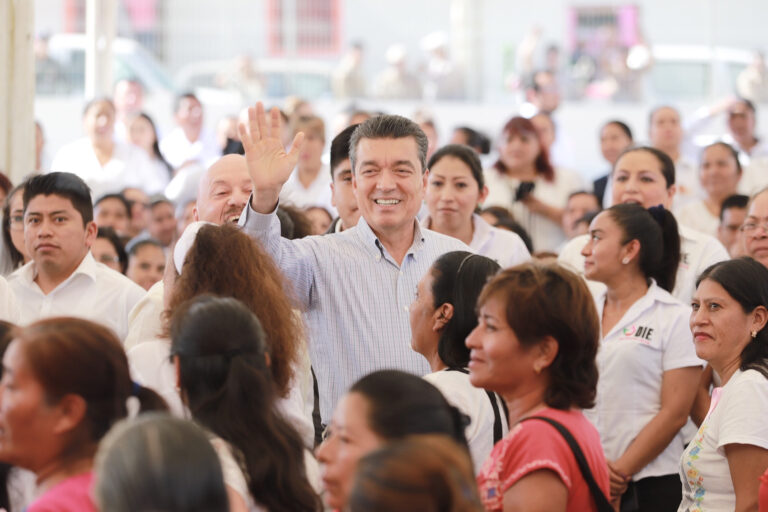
(639, 333)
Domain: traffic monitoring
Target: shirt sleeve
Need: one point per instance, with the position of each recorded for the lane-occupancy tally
(743, 413)
(295, 258)
(679, 350)
(537, 445)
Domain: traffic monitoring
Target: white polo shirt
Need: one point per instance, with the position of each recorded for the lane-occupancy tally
(475, 403)
(177, 149)
(545, 234)
(697, 216)
(9, 309)
(502, 246)
(652, 337)
(698, 251)
(317, 194)
(93, 291)
(129, 166)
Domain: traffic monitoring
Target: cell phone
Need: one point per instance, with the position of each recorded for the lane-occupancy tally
(524, 190)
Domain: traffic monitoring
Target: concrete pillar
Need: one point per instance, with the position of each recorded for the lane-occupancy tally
(100, 30)
(467, 43)
(17, 88)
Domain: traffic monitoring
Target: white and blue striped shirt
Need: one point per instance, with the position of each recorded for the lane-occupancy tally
(355, 296)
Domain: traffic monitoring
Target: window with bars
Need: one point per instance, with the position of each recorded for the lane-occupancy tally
(303, 28)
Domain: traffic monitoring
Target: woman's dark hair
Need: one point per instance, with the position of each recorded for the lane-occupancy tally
(156, 145)
(5, 184)
(542, 300)
(158, 462)
(250, 276)
(731, 150)
(96, 369)
(466, 155)
(746, 281)
(16, 257)
(302, 226)
(458, 279)
(510, 224)
(656, 230)
(621, 125)
(109, 234)
(521, 126)
(422, 473)
(475, 139)
(401, 404)
(666, 163)
(227, 385)
(117, 197)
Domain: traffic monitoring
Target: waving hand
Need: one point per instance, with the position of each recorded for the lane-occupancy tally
(268, 163)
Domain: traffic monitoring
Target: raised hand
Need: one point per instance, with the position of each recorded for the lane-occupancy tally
(268, 163)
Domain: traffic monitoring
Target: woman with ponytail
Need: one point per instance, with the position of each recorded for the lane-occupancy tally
(65, 383)
(722, 466)
(383, 406)
(222, 361)
(648, 367)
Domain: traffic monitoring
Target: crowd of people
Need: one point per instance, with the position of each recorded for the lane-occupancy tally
(241, 322)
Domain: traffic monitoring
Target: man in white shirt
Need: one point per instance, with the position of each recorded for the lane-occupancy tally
(189, 142)
(665, 131)
(64, 279)
(342, 194)
(309, 183)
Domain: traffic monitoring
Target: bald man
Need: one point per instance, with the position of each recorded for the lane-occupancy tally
(222, 193)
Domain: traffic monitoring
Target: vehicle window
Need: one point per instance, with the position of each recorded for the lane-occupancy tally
(680, 79)
(60, 72)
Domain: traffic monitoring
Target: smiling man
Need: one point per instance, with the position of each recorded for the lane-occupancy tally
(64, 279)
(355, 286)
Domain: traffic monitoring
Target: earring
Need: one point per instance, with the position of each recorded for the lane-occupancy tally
(754, 334)
(625, 260)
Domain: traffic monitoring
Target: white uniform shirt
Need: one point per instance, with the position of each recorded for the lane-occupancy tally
(9, 308)
(545, 234)
(697, 216)
(502, 246)
(475, 403)
(698, 251)
(145, 319)
(738, 416)
(754, 176)
(93, 291)
(317, 194)
(129, 167)
(687, 182)
(652, 337)
(178, 150)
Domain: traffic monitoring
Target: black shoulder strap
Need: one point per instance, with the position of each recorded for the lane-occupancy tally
(498, 426)
(602, 503)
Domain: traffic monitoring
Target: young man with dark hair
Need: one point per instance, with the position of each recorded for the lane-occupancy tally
(733, 212)
(342, 194)
(63, 279)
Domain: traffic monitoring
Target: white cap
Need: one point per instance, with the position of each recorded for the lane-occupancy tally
(185, 242)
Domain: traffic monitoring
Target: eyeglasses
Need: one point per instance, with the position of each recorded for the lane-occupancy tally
(106, 258)
(16, 222)
(751, 226)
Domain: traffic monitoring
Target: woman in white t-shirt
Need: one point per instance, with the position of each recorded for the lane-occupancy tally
(719, 175)
(455, 189)
(648, 369)
(442, 316)
(220, 353)
(722, 466)
(524, 181)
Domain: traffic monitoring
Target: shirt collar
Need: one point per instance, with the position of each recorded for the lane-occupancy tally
(482, 231)
(88, 267)
(373, 245)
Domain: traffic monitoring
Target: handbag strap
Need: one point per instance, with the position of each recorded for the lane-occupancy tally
(498, 426)
(602, 503)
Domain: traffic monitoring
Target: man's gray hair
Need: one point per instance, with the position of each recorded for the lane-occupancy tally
(389, 127)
